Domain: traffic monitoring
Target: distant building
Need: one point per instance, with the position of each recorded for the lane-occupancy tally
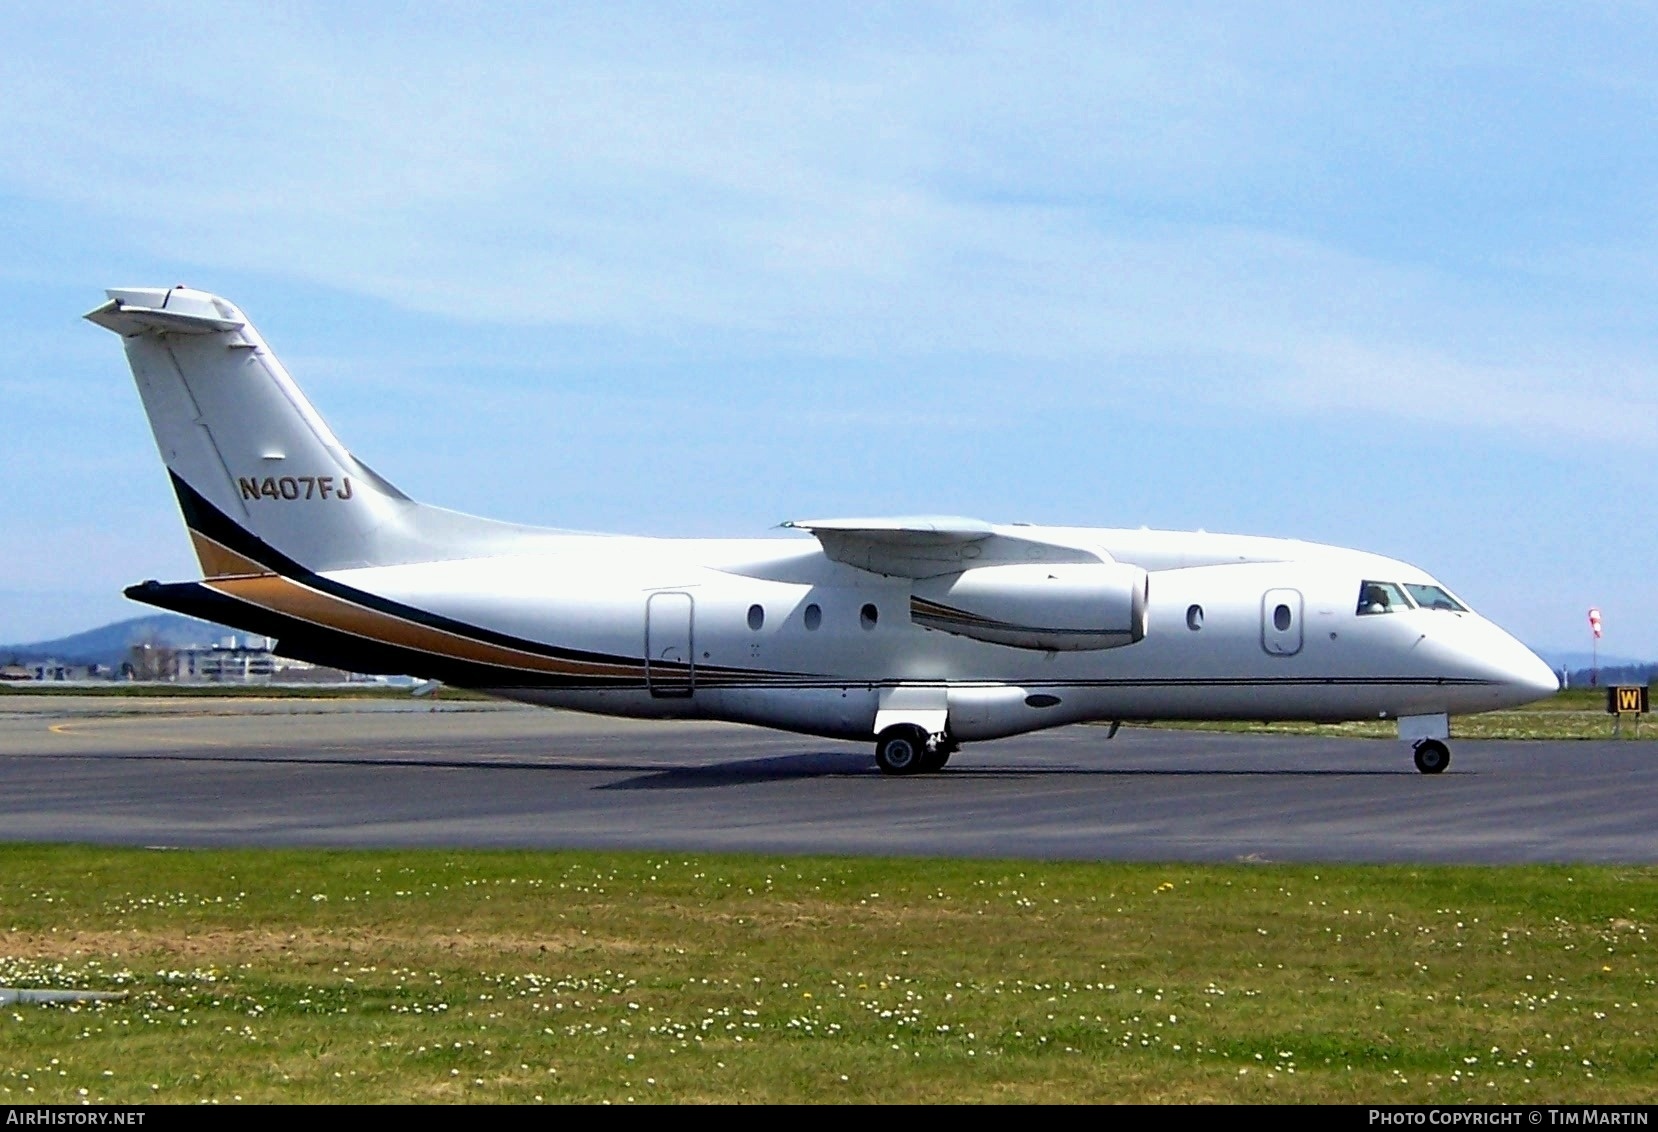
(55, 671)
(225, 663)
(249, 661)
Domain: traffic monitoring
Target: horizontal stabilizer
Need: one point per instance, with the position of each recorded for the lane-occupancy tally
(172, 311)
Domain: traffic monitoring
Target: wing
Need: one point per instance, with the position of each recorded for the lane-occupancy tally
(928, 546)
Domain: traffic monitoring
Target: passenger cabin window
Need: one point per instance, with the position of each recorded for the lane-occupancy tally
(1381, 597)
(813, 617)
(756, 617)
(868, 615)
(1194, 617)
(1432, 597)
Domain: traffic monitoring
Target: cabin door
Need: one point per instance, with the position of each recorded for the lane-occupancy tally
(1281, 622)
(670, 665)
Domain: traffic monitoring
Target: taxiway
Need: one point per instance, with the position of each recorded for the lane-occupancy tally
(363, 773)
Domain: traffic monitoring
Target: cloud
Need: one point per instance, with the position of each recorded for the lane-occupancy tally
(1443, 393)
(764, 243)
(1093, 197)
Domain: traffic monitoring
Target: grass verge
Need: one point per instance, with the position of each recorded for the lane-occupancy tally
(442, 976)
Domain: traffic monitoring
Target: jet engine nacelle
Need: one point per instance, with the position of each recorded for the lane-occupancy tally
(1062, 606)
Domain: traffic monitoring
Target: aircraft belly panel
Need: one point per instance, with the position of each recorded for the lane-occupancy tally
(843, 712)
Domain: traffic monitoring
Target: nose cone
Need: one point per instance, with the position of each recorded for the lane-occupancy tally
(1532, 676)
(1494, 670)
(1523, 675)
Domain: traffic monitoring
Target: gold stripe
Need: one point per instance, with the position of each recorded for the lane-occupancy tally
(219, 561)
(282, 595)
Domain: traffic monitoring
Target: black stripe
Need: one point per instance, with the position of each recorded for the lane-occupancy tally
(303, 640)
(206, 519)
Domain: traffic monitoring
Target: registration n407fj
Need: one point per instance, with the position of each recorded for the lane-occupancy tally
(921, 632)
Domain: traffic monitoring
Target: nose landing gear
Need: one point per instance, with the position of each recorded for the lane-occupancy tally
(1432, 756)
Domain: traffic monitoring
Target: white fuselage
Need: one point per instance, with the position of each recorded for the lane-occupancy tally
(691, 603)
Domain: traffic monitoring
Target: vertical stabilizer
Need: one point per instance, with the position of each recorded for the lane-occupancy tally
(259, 476)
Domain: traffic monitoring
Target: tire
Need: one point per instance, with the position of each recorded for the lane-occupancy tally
(937, 757)
(901, 750)
(1432, 756)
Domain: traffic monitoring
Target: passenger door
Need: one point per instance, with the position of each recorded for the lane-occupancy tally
(670, 665)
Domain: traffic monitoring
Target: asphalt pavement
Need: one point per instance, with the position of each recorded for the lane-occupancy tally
(347, 773)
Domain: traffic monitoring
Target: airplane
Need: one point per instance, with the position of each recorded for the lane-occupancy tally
(921, 633)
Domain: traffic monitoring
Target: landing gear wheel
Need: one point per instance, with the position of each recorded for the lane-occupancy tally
(1432, 756)
(939, 755)
(901, 749)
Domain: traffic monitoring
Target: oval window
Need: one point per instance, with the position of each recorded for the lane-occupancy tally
(1281, 618)
(813, 616)
(868, 615)
(1194, 617)
(756, 617)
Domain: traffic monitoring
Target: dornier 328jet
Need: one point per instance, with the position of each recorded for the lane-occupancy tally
(921, 633)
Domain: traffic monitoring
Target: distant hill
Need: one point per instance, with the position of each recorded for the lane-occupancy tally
(1607, 675)
(1581, 668)
(108, 645)
(1583, 658)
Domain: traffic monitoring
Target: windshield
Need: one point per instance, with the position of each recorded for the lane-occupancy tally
(1390, 597)
(1381, 597)
(1432, 597)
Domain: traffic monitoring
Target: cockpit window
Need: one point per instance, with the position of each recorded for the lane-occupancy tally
(1432, 597)
(1382, 597)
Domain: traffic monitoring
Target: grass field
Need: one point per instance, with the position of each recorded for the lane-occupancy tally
(432, 976)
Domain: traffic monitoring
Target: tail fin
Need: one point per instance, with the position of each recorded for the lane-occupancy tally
(262, 481)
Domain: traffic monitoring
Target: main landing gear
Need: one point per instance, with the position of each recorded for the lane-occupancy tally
(908, 749)
(1432, 756)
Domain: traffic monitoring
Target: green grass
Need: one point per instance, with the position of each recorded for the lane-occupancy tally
(441, 976)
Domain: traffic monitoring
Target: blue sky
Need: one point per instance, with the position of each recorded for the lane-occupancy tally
(1384, 280)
